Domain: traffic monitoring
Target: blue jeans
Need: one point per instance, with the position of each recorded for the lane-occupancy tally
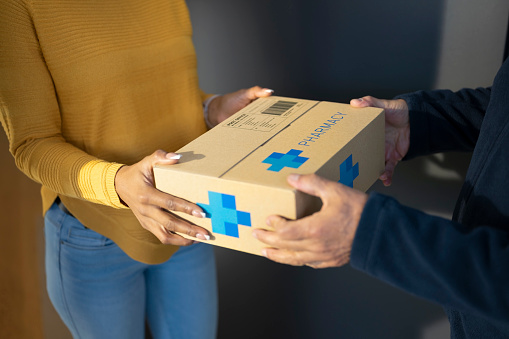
(100, 292)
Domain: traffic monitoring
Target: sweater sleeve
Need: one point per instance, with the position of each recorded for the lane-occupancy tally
(30, 116)
(443, 120)
(434, 258)
(204, 96)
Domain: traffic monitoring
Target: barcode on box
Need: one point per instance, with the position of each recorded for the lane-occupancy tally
(279, 107)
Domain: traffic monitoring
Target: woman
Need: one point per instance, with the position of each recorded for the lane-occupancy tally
(89, 90)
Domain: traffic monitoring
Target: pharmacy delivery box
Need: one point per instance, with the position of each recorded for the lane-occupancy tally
(237, 171)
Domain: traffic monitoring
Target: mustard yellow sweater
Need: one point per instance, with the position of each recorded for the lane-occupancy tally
(89, 85)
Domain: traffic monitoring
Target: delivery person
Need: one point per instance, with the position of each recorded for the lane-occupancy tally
(461, 264)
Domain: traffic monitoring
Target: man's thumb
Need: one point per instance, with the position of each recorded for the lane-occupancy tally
(311, 184)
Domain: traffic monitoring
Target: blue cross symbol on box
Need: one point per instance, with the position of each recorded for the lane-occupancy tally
(278, 161)
(223, 213)
(347, 172)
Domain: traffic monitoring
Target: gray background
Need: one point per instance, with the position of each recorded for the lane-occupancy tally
(338, 50)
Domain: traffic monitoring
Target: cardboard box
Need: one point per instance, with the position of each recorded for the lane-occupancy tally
(237, 171)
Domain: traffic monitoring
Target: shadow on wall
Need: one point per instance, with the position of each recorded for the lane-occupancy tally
(431, 183)
(324, 50)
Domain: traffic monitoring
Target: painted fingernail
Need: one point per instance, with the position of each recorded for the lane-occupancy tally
(203, 236)
(199, 214)
(268, 90)
(293, 177)
(176, 157)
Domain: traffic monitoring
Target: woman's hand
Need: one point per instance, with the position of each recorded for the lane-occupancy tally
(135, 187)
(224, 106)
(397, 131)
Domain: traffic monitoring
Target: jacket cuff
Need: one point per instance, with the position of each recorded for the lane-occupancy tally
(419, 135)
(367, 232)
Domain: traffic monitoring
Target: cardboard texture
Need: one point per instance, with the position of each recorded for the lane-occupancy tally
(237, 171)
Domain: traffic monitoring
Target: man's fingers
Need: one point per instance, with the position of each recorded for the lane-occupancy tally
(360, 102)
(287, 229)
(270, 238)
(295, 235)
(386, 176)
(295, 241)
(276, 221)
(311, 184)
(369, 101)
(283, 256)
(296, 258)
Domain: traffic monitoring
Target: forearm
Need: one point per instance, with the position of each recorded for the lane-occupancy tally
(69, 171)
(434, 258)
(31, 118)
(443, 120)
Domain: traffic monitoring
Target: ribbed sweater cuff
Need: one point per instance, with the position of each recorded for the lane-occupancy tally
(111, 192)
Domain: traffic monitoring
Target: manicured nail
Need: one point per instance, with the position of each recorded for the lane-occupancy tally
(203, 236)
(264, 253)
(294, 177)
(199, 214)
(359, 99)
(383, 177)
(254, 234)
(176, 157)
(268, 90)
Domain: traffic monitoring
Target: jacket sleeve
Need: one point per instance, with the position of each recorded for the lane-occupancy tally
(434, 258)
(30, 116)
(443, 120)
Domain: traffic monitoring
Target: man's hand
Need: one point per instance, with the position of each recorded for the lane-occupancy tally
(135, 187)
(323, 239)
(397, 131)
(226, 105)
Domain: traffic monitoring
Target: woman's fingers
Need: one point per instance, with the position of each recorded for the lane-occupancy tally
(173, 223)
(135, 187)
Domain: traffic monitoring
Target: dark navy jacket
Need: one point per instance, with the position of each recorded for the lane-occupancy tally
(462, 264)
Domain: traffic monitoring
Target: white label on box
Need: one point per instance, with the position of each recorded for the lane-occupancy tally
(264, 116)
